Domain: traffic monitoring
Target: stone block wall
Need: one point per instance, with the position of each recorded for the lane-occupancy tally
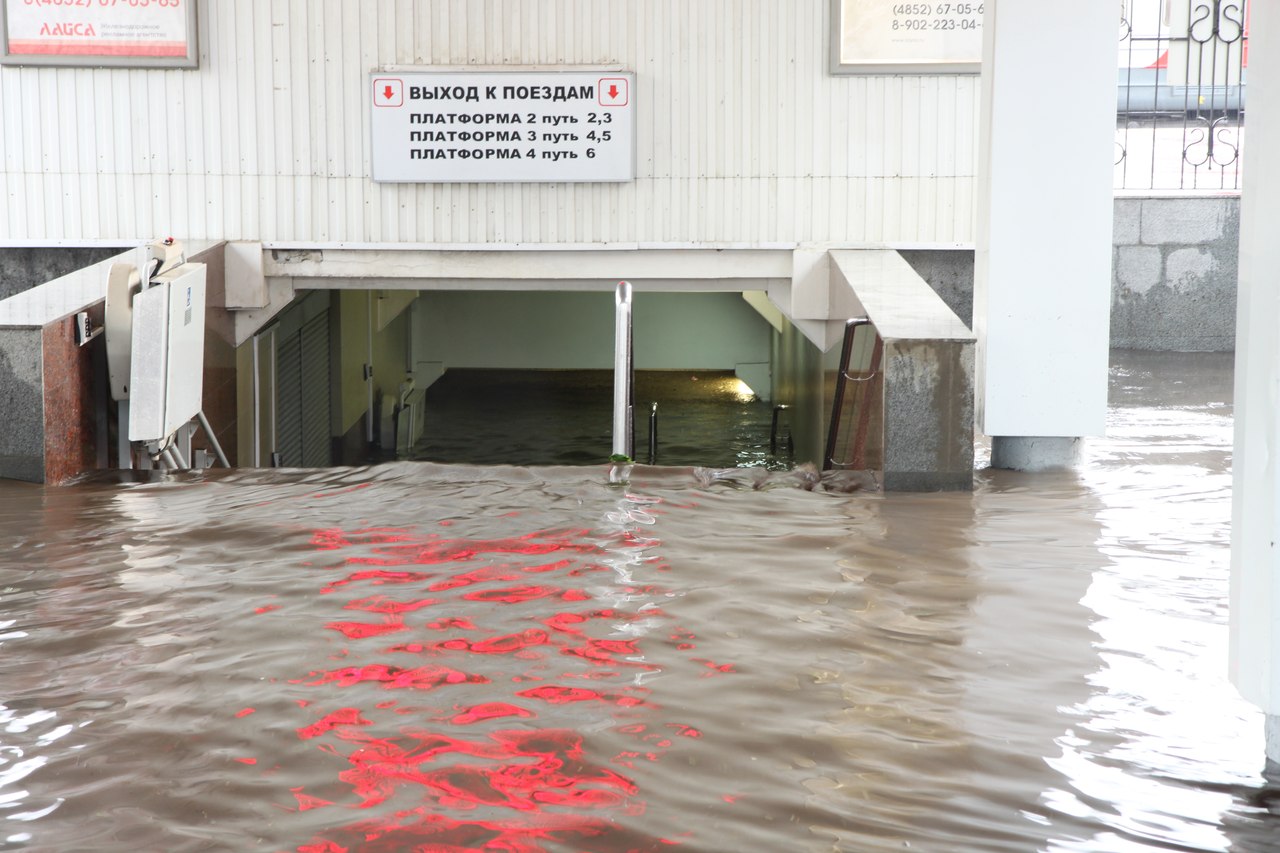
(1174, 273)
(950, 274)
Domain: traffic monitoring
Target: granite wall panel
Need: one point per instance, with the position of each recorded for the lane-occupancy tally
(70, 443)
(21, 407)
(219, 399)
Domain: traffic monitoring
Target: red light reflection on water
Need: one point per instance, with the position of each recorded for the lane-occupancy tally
(483, 774)
(379, 604)
(360, 630)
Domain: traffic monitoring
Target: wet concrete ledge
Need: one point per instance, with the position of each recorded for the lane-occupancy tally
(53, 391)
(927, 403)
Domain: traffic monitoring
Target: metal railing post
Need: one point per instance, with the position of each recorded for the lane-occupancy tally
(837, 404)
(623, 386)
(653, 435)
(773, 428)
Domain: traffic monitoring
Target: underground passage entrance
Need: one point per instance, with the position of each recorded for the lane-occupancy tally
(515, 377)
(563, 417)
(300, 372)
(527, 379)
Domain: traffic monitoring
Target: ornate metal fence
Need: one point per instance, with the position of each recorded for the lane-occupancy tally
(1181, 94)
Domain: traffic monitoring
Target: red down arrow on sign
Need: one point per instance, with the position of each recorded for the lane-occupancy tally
(388, 92)
(613, 92)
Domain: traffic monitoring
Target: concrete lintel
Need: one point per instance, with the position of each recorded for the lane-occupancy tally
(603, 285)
(823, 334)
(818, 291)
(810, 285)
(246, 282)
(550, 265)
(280, 292)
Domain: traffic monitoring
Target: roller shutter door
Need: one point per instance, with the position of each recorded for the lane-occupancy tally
(302, 401)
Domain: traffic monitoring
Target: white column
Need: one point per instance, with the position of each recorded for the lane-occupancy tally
(1042, 294)
(1255, 516)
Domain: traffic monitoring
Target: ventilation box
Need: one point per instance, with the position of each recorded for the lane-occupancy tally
(166, 377)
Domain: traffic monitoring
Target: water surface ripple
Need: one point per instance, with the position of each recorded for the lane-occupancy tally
(454, 658)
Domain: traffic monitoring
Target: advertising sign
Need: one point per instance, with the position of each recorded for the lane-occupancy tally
(138, 33)
(502, 126)
(893, 37)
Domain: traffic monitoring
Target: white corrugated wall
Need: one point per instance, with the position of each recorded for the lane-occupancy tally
(742, 135)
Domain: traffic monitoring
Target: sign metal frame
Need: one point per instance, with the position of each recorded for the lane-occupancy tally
(493, 138)
(100, 57)
(898, 61)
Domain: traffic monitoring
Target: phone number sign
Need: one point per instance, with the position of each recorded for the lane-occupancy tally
(502, 126)
(145, 33)
(877, 36)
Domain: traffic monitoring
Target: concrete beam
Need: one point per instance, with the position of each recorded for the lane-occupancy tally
(1255, 491)
(589, 285)
(515, 265)
(1042, 290)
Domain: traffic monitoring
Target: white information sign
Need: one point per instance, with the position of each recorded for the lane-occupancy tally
(889, 36)
(502, 126)
(159, 33)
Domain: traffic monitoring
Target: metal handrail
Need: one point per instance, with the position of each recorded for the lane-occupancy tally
(773, 428)
(653, 434)
(837, 403)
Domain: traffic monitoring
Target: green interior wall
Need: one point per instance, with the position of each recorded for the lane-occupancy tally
(798, 383)
(357, 316)
(557, 331)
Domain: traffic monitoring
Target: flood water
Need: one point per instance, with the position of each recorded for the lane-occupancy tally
(449, 658)
(565, 417)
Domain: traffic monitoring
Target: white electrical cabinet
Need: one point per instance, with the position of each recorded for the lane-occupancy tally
(166, 375)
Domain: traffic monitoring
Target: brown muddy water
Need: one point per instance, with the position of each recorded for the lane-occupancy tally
(450, 658)
(565, 417)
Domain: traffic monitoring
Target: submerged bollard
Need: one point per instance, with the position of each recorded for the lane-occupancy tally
(773, 427)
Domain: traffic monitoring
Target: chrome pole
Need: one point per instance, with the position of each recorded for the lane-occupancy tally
(623, 438)
(653, 435)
